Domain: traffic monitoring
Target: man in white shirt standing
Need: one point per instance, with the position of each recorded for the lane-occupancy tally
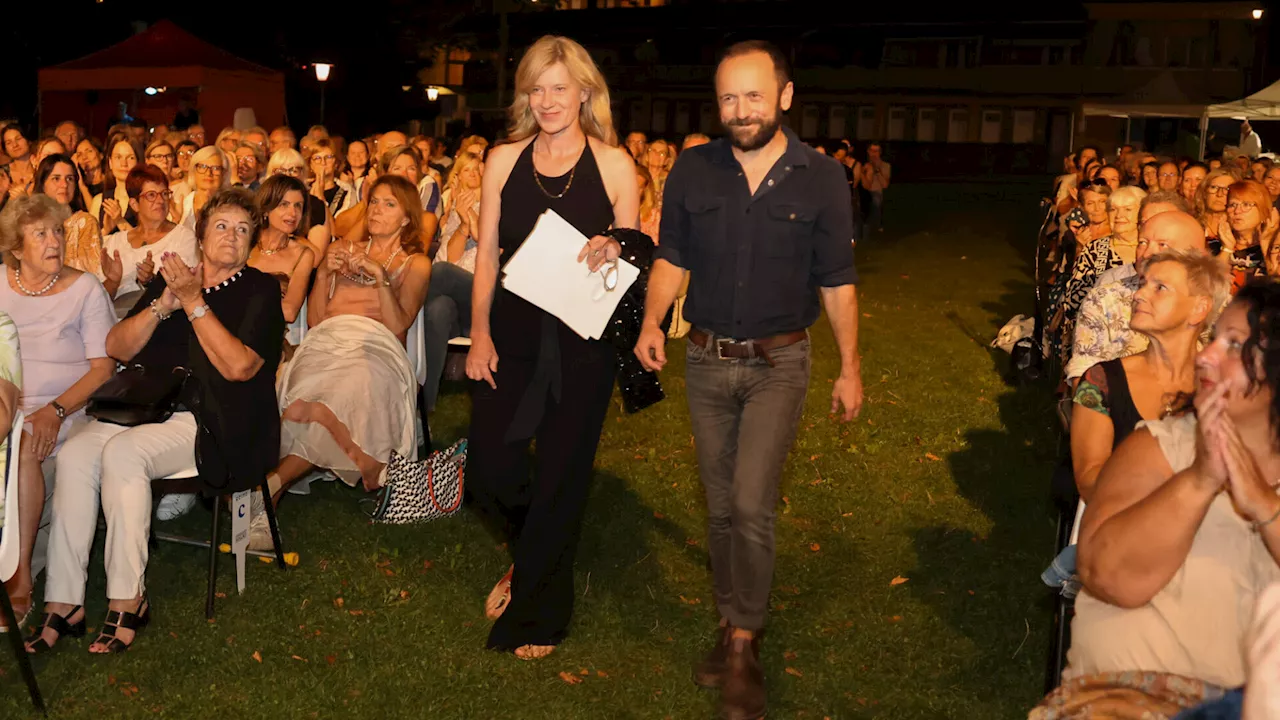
(1250, 143)
(875, 179)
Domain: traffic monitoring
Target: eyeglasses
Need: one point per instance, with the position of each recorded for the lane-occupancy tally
(1169, 175)
(153, 195)
(609, 278)
(1241, 206)
(290, 171)
(160, 156)
(186, 153)
(323, 158)
(209, 169)
(1218, 189)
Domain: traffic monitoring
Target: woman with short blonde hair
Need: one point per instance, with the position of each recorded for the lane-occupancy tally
(210, 172)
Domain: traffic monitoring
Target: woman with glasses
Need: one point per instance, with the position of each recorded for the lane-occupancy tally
(161, 154)
(1248, 233)
(58, 178)
(111, 206)
(322, 160)
(135, 254)
(1211, 203)
(210, 172)
(186, 150)
(658, 161)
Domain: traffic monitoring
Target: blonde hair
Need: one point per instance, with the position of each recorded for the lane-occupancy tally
(204, 155)
(595, 115)
(20, 212)
(290, 157)
(464, 160)
(1206, 277)
(649, 195)
(1125, 193)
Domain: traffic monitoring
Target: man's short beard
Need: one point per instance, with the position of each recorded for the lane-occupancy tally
(761, 137)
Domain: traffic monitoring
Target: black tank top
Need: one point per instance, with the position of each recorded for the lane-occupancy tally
(585, 204)
(1124, 413)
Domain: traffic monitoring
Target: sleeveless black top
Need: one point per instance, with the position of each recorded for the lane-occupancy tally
(1124, 413)
(522, 332)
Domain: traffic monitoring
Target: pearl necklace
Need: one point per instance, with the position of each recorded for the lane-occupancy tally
(215, 288)
(365, 279)
(17, 276)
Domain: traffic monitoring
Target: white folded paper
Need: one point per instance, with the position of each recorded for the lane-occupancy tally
(545, 271)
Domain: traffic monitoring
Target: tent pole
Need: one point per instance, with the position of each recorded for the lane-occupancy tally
(1128, 130)
(1071, 134)
(1204, 133)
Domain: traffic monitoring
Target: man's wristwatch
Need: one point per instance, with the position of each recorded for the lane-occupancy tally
(60, 411)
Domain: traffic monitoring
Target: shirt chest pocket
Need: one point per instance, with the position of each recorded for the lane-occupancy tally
(789, 229)
(707, 222)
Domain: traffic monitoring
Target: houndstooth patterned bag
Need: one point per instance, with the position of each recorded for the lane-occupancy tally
(420, 491)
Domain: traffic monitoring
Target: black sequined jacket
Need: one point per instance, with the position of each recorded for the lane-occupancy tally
(640, 388)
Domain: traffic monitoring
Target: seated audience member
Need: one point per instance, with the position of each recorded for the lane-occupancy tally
(280, 139)
(693, 140)
(289, 162)
(1192, 176)
(365, 298)
(220, 320)
(1111, 175)
(133, 256)
(111, 206)
(401, 161)
(1101, 254)
(1150, 175)
(1211, 204)
(1248, 232)
(1258, 169)
(282, 250)
(18, 150)
(1181, 536)
(1169, 176)
(250, 165)
(63, 316)
(1102, 324)
(452, 273)
(58, 177)
(1180, 293)
(210, 172)
(326, 186)
(162, 155)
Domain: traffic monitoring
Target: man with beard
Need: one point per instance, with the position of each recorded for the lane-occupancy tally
(764, 225)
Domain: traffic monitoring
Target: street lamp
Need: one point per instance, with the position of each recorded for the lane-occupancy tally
(433, 93)
(1257, 13)
(322, 75)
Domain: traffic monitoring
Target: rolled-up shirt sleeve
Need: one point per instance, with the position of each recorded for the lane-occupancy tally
(833, 232)
(673, 231)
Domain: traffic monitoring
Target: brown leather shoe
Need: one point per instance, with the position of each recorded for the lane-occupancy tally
(710, 672)
(742, 695)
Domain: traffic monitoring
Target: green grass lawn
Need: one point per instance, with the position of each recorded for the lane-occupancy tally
(943, 481)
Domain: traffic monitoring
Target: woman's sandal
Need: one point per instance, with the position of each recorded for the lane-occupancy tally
(36, 643)
(116, 620)
(499, 596)
(22, 619)
(534, 652)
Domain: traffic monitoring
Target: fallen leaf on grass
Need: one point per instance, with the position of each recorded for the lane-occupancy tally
(383, 563)
(220, 595)
(331, 659)
(848, 514)
(173, 635)
(691, 542)
(815, 547)
(356, 613)
(602, 673)
(570, 679)
(388, 572)
(584, 672)
(793, 671)
(324, 565)
(657, 515)
(970, 592)
(789, 655)
(404, 594)
(895, 619)
(931, 456)
(111, 679)
(257, 656)
(690, 601)
(295, 657)
(426, 564)
(339, 602)
(897, 581)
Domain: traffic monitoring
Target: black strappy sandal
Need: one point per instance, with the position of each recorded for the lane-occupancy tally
(36, 643)
(117, 619)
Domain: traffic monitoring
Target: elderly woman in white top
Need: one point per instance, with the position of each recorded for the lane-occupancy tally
(63, 317)
(135, 254)
(452, 273)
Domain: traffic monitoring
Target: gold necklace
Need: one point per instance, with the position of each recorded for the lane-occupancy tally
(538, 179)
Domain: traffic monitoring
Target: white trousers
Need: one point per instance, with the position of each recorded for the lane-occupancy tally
(117, 463)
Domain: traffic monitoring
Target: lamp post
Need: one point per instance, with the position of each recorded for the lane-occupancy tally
(322, 75)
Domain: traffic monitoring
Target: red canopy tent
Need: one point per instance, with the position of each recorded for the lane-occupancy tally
(164, 56)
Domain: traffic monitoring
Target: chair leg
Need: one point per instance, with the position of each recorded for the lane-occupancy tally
(275, 526)
(213, 557)
(20, 652)
(422, 414)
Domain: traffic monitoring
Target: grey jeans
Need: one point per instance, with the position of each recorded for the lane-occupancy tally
(744, 415)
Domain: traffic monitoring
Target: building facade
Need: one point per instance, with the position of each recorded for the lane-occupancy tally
(1006, 94)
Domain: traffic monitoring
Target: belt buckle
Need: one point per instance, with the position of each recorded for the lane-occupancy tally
(720, 343)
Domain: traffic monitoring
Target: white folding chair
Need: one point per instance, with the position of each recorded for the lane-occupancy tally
(10, 548)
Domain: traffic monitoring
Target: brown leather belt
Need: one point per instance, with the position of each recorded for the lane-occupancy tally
(731, 349)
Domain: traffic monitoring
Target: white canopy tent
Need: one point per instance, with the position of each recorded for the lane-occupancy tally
(1163, 97)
